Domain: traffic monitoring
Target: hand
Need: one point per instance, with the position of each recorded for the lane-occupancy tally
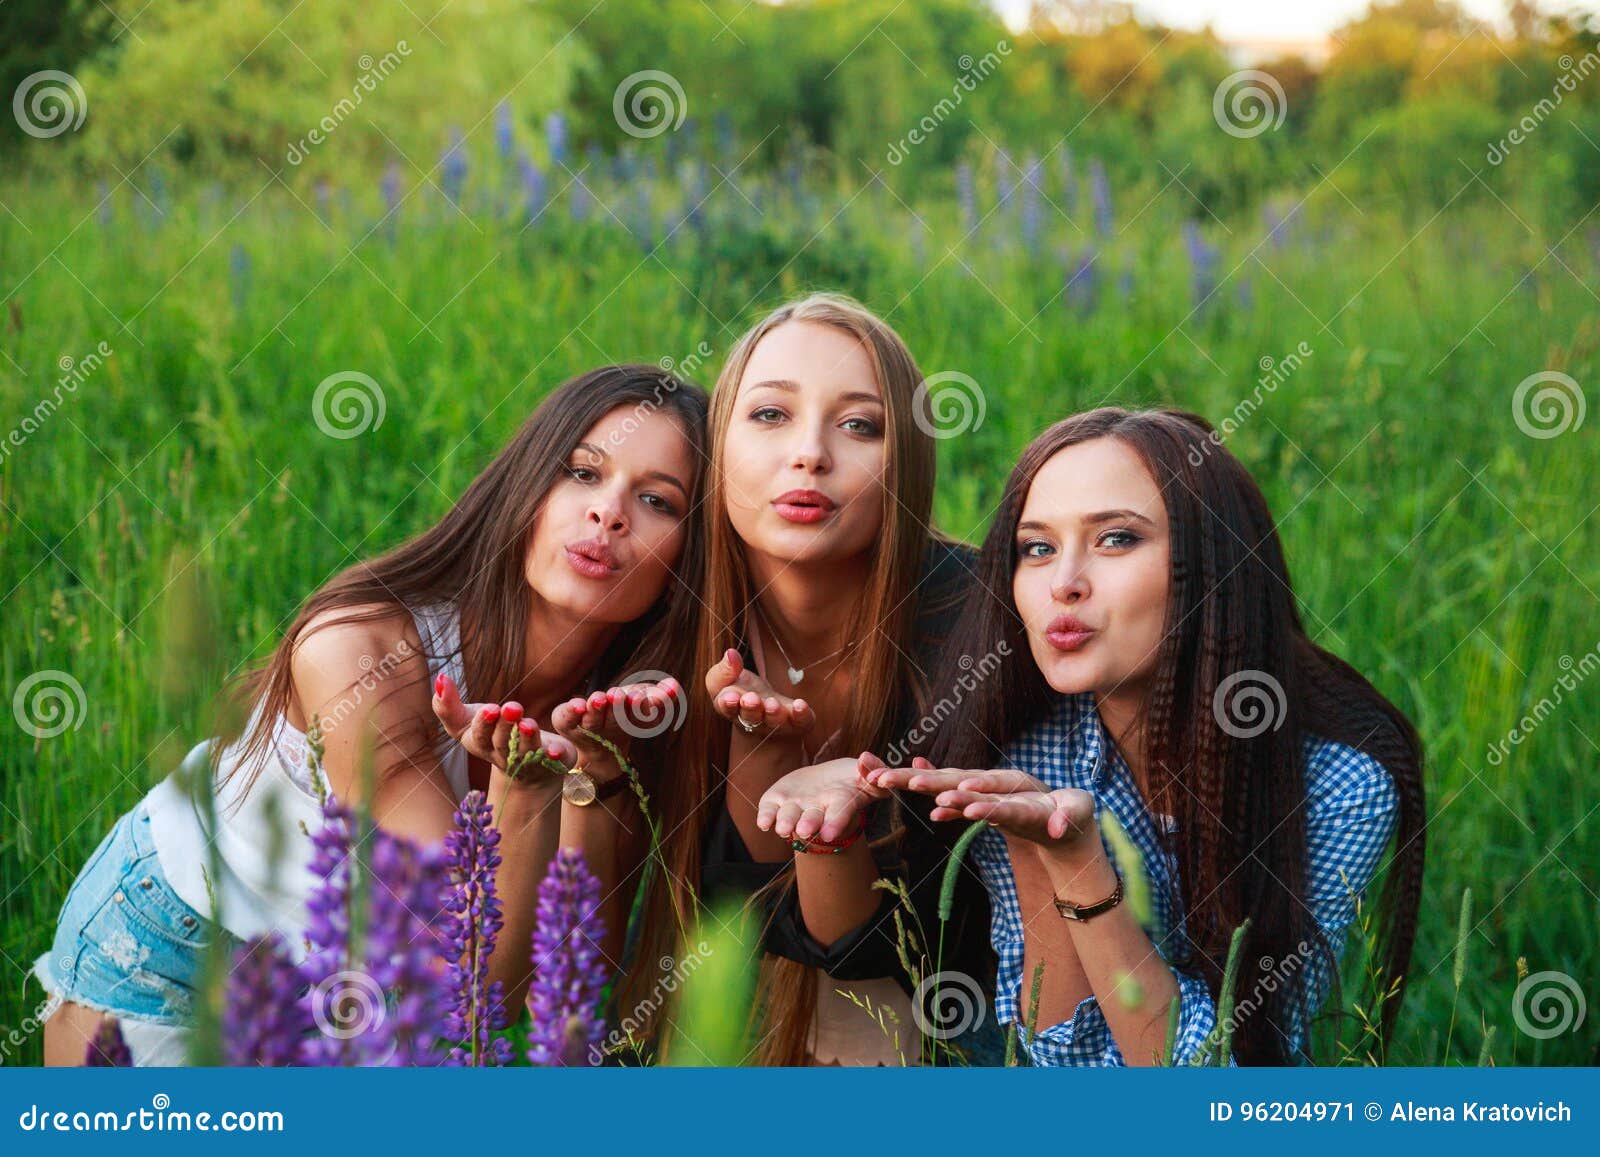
(484, 729)
(738, 693)
(823, 800)
(1014, 802)
(619, 715)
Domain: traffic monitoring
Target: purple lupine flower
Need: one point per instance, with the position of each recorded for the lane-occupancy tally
(569, 970)
(453, 167)
(1100, 188)
(555, 134)
(1202, 262)
(472, 925)
(106, 1048)
(1082, 288)
(1002, 178)
(1069, 182)
(1032, 176)
(533, 186)
(505, 128)
(374, 955)
(967, 193)
(264, 1019)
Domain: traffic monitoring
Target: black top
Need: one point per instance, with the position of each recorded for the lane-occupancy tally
(729, 872)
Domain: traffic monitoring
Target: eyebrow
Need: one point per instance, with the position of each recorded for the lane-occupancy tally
(1094, 519)
(794, 388)
(658, 475)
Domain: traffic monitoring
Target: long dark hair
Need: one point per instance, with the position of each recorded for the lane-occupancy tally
(467, 559)
(1238, 802)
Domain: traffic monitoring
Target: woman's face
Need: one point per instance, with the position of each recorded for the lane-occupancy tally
(803, 458)
(1093, 569)
(612, 527)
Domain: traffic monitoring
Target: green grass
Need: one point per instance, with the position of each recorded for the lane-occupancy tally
(1443, 551)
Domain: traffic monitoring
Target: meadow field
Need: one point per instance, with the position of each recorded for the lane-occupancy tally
(248, 383)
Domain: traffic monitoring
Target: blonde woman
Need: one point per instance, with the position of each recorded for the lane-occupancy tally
(827, 592)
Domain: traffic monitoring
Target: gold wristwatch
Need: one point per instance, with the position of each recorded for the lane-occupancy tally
(580, 789)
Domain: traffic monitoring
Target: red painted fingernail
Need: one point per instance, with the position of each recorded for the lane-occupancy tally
(598, 700)
(527, 727)
(438, 686)
(491, 712)
(511, 712)
(553, 752)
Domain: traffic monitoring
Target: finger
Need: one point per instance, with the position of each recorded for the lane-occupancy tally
(725, 673)
(727, 705)
(502, 739)
(775, 713)
(447, 705)
(511, 712)
(1000, 781)
(934, 782)
(556, 747)
(945, 813)
(751, 709)
(801, 715)
(568, 716)
(788, 815)
(479, 738)
(767, 811)
(922, 763)
(892, 777)
(839, 817)
(961, 797)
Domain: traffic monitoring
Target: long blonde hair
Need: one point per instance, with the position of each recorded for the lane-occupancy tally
(882, 620)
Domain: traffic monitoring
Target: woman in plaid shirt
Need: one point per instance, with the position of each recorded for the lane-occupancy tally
(1158, 670)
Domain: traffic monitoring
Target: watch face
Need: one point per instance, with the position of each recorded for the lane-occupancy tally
(578, 788)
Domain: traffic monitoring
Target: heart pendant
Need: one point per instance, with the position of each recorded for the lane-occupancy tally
(795, 675)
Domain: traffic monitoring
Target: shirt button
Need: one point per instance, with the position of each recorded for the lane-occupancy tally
(146, 883)
(188, 921)
(118, 896)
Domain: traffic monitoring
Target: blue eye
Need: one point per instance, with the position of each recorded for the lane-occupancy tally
(1027, 549)
(1118, 539)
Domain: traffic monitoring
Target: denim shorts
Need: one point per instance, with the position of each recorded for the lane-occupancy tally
(125, 942)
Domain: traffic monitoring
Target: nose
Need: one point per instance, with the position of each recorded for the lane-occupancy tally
(810, 451)
(1070, 582)
(606, 515)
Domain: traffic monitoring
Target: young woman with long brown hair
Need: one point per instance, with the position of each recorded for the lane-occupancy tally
(571, 561)
(1159, 671)
(827, 591)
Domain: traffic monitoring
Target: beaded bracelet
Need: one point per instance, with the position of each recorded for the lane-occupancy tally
(825, 848)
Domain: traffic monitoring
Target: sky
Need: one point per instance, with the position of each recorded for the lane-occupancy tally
(1281, 19)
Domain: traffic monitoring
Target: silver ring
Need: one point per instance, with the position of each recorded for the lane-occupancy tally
(748, 727)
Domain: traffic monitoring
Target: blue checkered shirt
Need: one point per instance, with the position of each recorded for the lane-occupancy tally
(1350, 815)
